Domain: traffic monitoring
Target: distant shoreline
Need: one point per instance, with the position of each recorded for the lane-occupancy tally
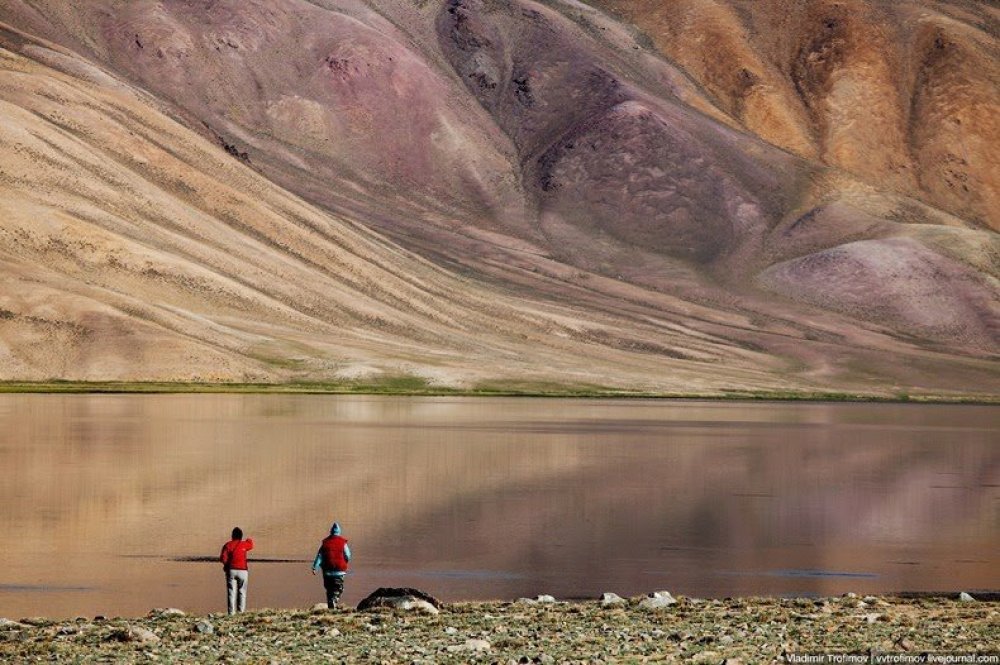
(416, 387)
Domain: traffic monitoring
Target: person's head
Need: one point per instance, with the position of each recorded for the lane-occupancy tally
(237, 533)
(335, 529)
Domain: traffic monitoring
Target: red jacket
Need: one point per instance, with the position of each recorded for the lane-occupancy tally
(332, 551)
(234, 554)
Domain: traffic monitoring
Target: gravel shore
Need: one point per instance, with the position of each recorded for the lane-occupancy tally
(700, 631)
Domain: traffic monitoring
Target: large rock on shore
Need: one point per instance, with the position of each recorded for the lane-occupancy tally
(657, 600)
(401, 598)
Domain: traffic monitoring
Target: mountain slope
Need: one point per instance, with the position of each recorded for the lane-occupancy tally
(905, 95)
(573, 206)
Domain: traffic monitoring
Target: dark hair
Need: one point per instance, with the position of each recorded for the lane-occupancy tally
(237, 533)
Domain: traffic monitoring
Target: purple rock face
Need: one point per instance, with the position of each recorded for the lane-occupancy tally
(898, 282)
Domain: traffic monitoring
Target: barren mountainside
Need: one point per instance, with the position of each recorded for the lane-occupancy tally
(682, 195)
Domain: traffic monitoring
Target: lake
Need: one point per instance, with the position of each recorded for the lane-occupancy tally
(110, 504)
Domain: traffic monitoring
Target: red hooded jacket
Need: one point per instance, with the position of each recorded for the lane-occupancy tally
(234, 554)
(332, 550)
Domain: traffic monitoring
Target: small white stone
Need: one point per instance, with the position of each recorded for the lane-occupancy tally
(141, 635)
(610, 599)
(544, 599)
(477, 645)
(657, 600)
(418, 605)
(966, 598)
(451, 630)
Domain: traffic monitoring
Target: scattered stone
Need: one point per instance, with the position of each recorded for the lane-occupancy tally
(966, 598)
(418, 605)
(540, 633)
(657, 600)
(610, 599)
(167, 612)
(477, 645)
(705, 657)
(204, 627)
(320, 607)
(7, 624)
(544, 599)
(850, 595)
(136, 634)
(403, 598)
(527, 601)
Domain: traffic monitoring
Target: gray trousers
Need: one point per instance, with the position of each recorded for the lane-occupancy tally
(236, 584)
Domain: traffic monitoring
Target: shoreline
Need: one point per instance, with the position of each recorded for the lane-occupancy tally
(625, 630)
(981, 595)
(415, 387)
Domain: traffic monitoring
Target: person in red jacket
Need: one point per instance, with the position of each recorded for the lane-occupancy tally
(333, 557)
(234, 563)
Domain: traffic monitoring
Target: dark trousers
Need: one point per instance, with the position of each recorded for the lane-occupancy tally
(334, 585)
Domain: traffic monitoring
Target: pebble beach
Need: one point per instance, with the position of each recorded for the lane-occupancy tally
(613, 630)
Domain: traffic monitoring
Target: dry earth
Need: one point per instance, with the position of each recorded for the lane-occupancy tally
(685, 196)
(698, 631)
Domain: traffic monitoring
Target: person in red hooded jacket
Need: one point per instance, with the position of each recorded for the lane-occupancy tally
(234, 563)
(333, 557)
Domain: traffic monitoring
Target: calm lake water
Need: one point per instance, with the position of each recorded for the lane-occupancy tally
(108, 501)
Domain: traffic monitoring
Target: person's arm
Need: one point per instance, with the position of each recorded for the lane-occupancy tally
(249, 544)
(347, 552)
(318, 561)
(224, 556)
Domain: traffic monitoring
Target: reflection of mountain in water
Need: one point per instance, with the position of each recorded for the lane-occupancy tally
(525, 493)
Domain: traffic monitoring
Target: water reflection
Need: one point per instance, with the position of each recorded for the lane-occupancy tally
(118, 498)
